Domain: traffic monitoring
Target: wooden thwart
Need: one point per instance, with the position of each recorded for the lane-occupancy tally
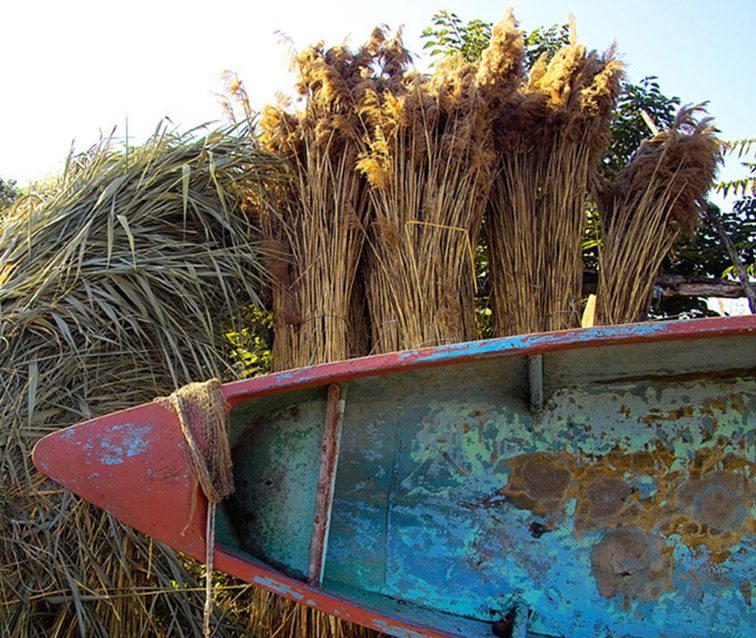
(329, 457)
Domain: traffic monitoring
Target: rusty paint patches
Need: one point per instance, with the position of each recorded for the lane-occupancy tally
(607, 496)
(538, 482)
(630, 564)
(697, 505)
(746, 590)
(716, 501)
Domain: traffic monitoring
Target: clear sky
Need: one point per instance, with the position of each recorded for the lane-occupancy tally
(70, 69)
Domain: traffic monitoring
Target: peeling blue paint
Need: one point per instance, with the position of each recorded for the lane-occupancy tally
(443, 546)
(454, 494)
(495, 347)
(278, 586)
(121, 442)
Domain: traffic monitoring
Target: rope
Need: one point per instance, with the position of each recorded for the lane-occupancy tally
(201, 409)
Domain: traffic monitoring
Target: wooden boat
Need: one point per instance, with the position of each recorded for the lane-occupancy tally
(594, 482)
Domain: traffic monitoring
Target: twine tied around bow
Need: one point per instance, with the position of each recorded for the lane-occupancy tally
(201, 409)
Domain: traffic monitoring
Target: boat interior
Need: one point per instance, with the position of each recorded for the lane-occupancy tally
(603, 490)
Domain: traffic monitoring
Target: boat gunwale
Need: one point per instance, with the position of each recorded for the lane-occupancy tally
(499, 348)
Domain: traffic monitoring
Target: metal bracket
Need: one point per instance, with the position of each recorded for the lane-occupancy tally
(535, 382)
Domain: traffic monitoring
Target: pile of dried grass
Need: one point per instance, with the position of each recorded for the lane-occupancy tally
(430, 164)
(549, 137)
(117, 284)
(646, 208)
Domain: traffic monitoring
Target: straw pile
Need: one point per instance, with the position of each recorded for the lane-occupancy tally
(430, 164)
(117, 284)
(647, 207)
(550, 138)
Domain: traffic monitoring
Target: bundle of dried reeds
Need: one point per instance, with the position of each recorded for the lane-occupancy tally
(317, 222)
(549, 138)
(118, 283)
(430, 165)
(647, 207)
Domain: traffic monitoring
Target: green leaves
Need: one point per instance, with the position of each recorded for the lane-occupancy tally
(8, 192)
(742, 147)
(450, 35)
(746, 184)
(546, 42)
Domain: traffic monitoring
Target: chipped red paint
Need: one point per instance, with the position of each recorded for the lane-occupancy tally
(323, 601)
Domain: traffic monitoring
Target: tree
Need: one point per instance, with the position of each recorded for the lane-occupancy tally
(8, 192)
(747, 184)
(449, 35)
(545, 42)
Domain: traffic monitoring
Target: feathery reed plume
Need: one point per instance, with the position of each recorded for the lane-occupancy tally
(549, 138)
(429, 165)
(234, 92)
(647, 207)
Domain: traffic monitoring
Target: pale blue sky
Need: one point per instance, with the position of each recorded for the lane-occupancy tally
(70, 69)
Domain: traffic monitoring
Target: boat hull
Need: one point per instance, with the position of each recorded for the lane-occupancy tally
(601, 480)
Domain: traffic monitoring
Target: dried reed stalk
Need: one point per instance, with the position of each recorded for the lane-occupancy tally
(318, 220)
(321, 239)
(276, 616)
(647, 207)
(430, 165)
(549, 137)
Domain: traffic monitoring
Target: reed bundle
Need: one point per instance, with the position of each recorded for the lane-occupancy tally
(317, 221)
(549, 138)
(647, 207)
(429, 165)
(117, 284)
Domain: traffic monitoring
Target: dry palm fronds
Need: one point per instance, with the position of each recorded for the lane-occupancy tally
(119, 283)
(549, 137)
(430, 164)
(646, 208)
